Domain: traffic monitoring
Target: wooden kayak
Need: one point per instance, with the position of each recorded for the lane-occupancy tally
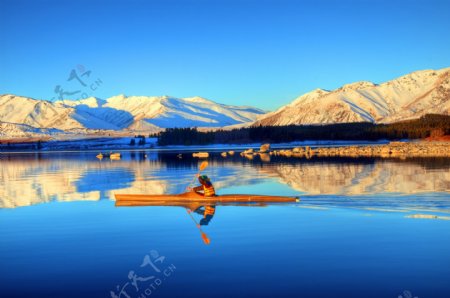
(191, 198)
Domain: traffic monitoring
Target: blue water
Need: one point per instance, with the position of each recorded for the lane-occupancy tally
(349, 236)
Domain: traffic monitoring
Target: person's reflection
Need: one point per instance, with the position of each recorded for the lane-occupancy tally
(207, 212)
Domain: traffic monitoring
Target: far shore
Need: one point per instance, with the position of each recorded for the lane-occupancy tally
(400, 150)
(107, 144)
(430, 147)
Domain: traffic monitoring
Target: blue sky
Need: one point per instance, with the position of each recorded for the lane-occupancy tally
(260, 53)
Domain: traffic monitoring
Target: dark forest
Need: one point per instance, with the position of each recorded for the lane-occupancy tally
(426, 126)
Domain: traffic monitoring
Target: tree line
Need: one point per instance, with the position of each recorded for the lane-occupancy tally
(428, 125)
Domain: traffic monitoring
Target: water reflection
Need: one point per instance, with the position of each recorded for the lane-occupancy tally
(28, 179)
(104, 179)
(361, 178)
(207, 213)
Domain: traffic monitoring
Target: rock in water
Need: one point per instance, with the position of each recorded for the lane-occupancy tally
(248, 151)
(201, 154)
(264, 148)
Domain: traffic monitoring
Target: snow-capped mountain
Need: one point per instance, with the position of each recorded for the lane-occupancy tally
(409, 96)
(22, 116)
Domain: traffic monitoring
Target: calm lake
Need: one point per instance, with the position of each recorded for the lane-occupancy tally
(363, 228)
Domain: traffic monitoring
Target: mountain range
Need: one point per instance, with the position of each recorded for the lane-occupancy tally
(22, 116)
(410, 96)
(407, 97)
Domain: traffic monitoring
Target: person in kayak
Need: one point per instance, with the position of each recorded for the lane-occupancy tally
(206, 186)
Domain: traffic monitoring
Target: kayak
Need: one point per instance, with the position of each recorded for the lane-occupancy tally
(193, 198)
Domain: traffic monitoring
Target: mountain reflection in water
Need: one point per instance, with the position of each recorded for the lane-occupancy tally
(29, 179)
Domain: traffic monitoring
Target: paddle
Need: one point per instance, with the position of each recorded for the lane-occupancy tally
(203, 166)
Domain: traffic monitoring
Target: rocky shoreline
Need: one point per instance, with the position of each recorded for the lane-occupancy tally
(400, 150)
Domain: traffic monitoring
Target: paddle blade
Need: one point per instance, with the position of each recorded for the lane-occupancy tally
(205, 238)
(203, 165)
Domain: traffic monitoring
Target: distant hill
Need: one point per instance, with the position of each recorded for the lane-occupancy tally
(22, 116)
(407, 97)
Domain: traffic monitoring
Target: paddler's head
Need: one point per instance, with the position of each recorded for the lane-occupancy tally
(204, 180)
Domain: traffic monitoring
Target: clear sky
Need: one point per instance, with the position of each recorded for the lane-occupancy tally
(260, 53)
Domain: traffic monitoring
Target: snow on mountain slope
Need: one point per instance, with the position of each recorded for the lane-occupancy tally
(142, 126)
(163, 112)
(409, 96)
(36, 113)
(15, 130)
(187, 113)
(119, 113)
(102, 117)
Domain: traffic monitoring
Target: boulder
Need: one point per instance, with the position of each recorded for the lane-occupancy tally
(248, 151)
(264, 148)
(200, 154)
